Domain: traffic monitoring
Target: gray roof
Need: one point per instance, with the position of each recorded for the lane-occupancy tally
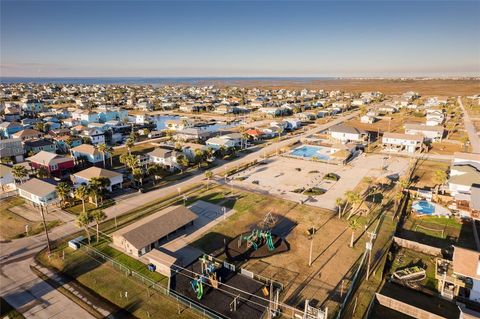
(342, 128)
(37, 187)
(156, 226)
(161, 152)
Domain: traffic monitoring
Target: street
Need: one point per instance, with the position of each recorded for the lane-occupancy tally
(472, 133)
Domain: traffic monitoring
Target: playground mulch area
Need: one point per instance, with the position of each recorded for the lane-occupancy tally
(236, 253)
(251, 303)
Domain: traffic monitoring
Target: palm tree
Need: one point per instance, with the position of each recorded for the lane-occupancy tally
(129, 143)
(19, 172)
(137, 174)
(403, 183)
(96, 186)
(208, 175)
(353, 224)
(102, 148)
(83, 220)
(109, 151)
(42, 172)
(439, 177)
(199, 157)
(354, 199)
(182, 160)
(81, 193)
(208, 153)
(98, 216)
(154, 170)
(63, 190)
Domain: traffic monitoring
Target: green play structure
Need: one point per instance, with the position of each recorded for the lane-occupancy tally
(258, 238)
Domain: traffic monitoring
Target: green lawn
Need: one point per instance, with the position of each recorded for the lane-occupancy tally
(111, 283)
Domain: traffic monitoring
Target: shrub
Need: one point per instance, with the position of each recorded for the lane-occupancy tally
(331, 177)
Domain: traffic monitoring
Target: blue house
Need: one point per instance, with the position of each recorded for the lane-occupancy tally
(32, 106)
(9, 128)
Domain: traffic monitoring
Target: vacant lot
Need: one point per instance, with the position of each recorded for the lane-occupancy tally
(406, 258)
(12, 225)
(424, 174)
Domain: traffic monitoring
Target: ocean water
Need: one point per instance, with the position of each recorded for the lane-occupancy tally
(153, 80)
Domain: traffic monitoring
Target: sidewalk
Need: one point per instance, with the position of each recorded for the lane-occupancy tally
(100, 307)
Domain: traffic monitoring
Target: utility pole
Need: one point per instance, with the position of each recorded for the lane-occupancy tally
(311, 247)
(369, 246)
(45, 228)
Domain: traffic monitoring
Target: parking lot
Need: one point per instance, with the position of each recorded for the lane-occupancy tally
(281, 176)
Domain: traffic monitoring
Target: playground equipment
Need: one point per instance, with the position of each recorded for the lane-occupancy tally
(258, 238)
(209, 273)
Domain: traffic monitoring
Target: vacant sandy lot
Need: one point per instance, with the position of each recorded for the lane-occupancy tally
(281, 175)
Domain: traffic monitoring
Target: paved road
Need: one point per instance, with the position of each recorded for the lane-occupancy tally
(132, 202)
(23, 289)
(472, 133)
(35, 298)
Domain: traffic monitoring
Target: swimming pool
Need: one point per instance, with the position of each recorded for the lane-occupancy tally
(311, 151)
(423, 207)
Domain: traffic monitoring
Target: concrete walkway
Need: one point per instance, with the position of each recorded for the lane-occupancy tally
(472, 133)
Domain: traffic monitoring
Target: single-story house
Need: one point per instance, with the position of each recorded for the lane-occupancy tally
(7, 129)
(84, 177)
(55, 164)
(400, 142)
(255, 134)
(368, 119)
(38, 192)
(89, 152)
(150, 232)
(189, 150)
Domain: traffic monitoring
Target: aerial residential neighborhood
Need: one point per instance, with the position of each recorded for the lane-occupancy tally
(239, 159)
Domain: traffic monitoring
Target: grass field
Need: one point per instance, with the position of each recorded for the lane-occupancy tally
(110, 282)
(13, 226)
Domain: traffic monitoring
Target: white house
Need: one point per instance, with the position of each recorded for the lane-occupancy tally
(95, 135)
(466, 263)
(433, 133)
(217, 143)
(88, 152)
(464, 172)
(38, 192)
(367, 119)
(345, 133)
(165, 157)
(84, 177)
(6, 178)
(400, 142)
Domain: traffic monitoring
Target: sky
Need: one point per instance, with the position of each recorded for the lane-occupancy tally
(231, 38)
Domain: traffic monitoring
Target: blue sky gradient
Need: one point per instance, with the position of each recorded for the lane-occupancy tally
(240, 38)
